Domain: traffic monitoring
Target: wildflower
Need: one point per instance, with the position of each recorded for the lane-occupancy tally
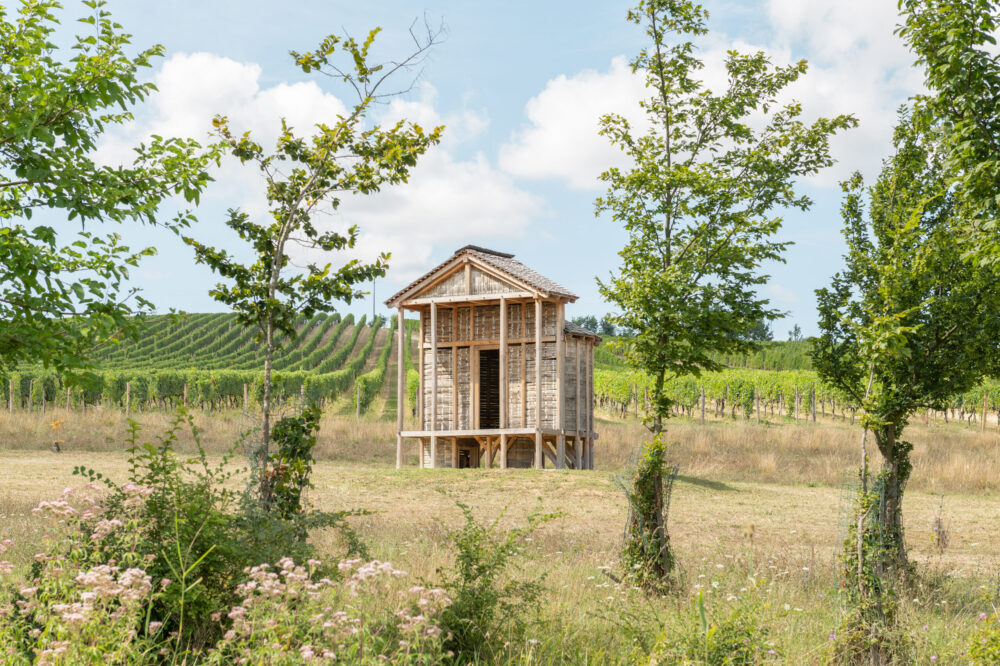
(155, 626)
(982, 616)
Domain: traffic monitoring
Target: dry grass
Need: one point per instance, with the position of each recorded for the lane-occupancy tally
(796, 537)
(946, 458)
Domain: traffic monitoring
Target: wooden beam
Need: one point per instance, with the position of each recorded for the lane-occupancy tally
(590, 406)
(421, 408)
(486, 342)
(400, 386)
(478, 298)
(560, 363)
(577, 448)
(434, 368)
(454, 371)
(538, 364)
(503, 362)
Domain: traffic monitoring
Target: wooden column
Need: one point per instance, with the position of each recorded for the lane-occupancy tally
(590, 406)
(400, 386)
(503, 451)
(561, 451)
(503, 362)
(421, 410)
(578, 442)
(454, 369)
(560, 365)
(454, 452)
(434, 383)
(539, 460)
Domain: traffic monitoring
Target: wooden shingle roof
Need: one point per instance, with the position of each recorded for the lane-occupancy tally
(499, 261)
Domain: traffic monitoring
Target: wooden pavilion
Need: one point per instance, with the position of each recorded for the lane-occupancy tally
(486, 395)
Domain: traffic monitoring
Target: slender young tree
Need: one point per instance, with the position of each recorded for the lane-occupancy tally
(62, 293)
(698, 201)
(304, 178)
(909, 323)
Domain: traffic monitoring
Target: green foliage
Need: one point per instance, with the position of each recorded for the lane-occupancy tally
(303, 176)
(63, 295)
(909, 324)
(697, 203)
(955, 42)
(184, 525)
(287, 474)
(737, 635)
(984, 648)
(491, 604)
(646, 555)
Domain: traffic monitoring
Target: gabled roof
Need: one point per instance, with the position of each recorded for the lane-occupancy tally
(576, 329)
(502, 262)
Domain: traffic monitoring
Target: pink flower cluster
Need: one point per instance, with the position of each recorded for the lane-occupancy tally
(429, 602)
(5, 566)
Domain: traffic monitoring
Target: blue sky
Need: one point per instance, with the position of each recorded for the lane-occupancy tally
(519, 86)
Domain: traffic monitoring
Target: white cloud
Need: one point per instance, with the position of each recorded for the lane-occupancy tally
(857, 66)
(447, 200)
(561, 139)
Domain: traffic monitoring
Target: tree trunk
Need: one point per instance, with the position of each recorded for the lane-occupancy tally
(265, 437)
(657, 425)
(896, 468)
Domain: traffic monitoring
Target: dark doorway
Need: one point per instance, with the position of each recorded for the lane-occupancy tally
(489, 388)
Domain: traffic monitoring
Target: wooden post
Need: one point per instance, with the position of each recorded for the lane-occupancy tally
(539, 460)
(357, 401)
(796, 403)
(434, 385)
(400, 385)
(246, 397)
(561, 452)
(503, 363)
(579, 400)
(128, 398)
(185, 395)
(590, 406)
(422, 419)
(454, 452)
(560, 368)
(10, 395)
(489, 453)
(812, 399)
(524, 372)
(703, 405)
(503, 450)
(454, 368)
(986, 400)
(756, 404)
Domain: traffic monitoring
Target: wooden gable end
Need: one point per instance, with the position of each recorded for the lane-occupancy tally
(468, 280)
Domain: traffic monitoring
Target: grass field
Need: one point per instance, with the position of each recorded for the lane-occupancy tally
(752, 503)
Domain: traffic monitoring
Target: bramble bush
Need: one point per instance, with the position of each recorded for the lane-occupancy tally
(492, 604)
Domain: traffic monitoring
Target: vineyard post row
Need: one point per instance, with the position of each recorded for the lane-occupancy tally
(756, 394)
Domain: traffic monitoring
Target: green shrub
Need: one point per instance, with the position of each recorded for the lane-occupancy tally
(734, 635)
(491, 603)
(646, 555)
(984, 648)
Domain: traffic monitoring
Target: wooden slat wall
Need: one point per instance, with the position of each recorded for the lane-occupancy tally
(482, 322)
(453, 286)
(464, 406)
(569, 385)
(484, 284)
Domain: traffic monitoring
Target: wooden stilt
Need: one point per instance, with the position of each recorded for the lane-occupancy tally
(400, 385)
(539, 458)
(434, 451)
(561, 452)
(503, 451)
(454, 452)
